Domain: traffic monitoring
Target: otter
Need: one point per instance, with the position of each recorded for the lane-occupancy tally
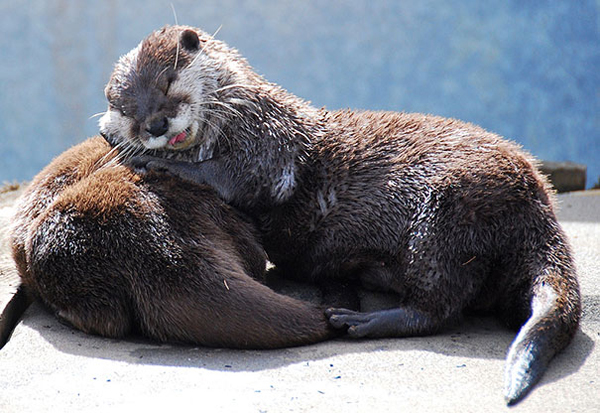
(114, 253)
(443, 213)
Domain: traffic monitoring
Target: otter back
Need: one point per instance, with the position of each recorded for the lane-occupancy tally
(113, 253)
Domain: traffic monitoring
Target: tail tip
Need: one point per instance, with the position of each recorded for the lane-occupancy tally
(522, 375)
(514, 395)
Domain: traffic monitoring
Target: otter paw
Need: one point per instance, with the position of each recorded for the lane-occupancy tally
(159, 165)
(145, 163)
(139, 163)
(358, 324)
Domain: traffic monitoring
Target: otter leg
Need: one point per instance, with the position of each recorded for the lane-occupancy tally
(397, 322)
(211, 172)
(433, 289)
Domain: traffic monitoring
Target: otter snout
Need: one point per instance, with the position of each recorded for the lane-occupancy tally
(158, 126)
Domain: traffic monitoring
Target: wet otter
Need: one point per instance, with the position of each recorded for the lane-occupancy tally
(443, 213)
(113, 253)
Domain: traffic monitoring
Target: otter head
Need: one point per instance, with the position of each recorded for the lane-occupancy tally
(158, 93)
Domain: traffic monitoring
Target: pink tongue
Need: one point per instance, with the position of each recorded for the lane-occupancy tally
(177, 138)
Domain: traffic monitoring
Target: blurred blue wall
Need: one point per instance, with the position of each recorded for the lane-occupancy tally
(528, 70)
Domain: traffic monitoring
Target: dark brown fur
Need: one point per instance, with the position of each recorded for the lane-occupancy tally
(441, 212)
(113, 253)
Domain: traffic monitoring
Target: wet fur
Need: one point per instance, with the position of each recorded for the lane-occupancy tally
(115, 253)
(443, 213)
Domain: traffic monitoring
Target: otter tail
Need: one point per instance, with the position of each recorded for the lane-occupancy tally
(11, 314)
(555, 312)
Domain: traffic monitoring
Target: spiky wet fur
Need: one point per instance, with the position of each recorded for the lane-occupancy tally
(443, 213)
(115, 253)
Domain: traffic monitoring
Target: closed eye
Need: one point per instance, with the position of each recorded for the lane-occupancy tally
(164, 79)
(170, 77)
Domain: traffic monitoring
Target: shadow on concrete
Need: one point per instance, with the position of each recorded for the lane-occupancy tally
(475, 337)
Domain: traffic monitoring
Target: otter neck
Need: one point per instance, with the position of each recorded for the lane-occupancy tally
(269, 118)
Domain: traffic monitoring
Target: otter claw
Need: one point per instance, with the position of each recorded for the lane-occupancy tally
(353, 320)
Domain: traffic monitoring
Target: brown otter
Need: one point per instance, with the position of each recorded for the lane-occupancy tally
(112, 253)
(445, 214)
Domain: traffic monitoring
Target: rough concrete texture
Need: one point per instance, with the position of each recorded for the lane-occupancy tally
(50, 367)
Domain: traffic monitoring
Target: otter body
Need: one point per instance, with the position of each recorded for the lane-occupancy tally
(114, 253)
(444, 214)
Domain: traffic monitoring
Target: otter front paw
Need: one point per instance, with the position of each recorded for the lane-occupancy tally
(187, 171)
(145, 163)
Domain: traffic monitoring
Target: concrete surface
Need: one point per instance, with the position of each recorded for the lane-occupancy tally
(49, 367)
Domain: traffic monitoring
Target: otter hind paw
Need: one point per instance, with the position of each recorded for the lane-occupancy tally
(358, 324)
(396, 322)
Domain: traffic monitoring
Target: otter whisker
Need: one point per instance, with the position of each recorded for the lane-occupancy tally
(208, 126)
(201, 52)
(124, 152)
(235, 85)
(230, 108)
(176, 57)
(120, 150)
(157, 77)
(216, 31)
(95, 115)
(101, 163)
(174, 14)
(223, 114)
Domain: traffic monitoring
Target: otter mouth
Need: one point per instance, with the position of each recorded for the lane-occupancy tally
(181, 140)
(177, 139)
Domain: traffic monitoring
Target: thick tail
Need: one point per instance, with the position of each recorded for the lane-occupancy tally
(555, 314)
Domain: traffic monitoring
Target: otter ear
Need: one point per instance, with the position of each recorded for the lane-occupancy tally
(189, 40)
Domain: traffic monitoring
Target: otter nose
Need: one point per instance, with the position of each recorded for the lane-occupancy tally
(158, 126)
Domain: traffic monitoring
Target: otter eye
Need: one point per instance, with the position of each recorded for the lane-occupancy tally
(166, 82)
(164, 85)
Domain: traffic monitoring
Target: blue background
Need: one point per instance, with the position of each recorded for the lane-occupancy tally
(528, 70)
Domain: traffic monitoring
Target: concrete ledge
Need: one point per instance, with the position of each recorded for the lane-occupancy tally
(565, 176)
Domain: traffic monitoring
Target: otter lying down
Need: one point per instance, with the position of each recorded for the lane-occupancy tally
(113, 253)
